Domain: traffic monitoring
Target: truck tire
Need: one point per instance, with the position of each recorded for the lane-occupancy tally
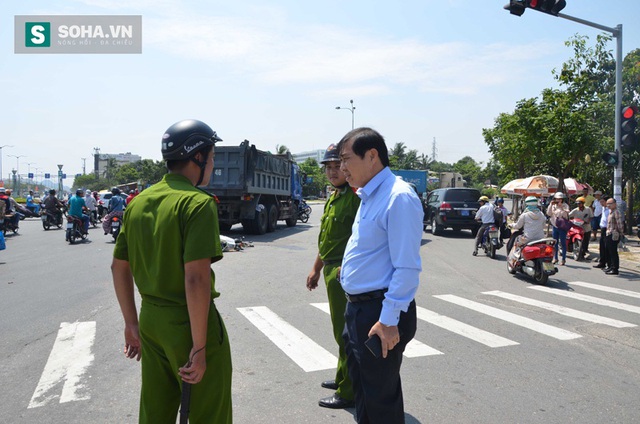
(292, 220)
(261, 221)
(247, 226)
(224, 226)
(272, 221)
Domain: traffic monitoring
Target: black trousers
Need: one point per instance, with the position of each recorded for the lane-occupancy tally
(376, 381)
(604, 254)
(612, 252)
(585, 245)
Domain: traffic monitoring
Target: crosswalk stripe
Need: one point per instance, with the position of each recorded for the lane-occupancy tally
(309, 355)
(414, 348)
(466, 330)
(68, 361)
(585, 316)
(590, 299)
(548, 330)
(614, 290)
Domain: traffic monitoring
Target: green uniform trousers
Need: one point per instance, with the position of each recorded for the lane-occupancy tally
(337, 307)
(165, 334)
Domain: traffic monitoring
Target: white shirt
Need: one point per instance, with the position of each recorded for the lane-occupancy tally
(598, 208)
(532, 224)
(485, 213)
(90, 202)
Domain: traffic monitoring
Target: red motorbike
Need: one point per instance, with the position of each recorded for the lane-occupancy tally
(534, 259)
(575, 236)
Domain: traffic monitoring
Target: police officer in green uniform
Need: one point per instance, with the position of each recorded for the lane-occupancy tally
(168, 241)
(335, 229)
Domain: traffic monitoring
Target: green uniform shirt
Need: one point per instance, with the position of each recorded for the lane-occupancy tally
(335, 224)
(169, 224)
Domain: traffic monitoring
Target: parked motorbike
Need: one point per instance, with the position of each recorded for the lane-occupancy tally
(50, 219)
(116, 223)
(491, 241)
(75, 229)
(575, 237)
(533, 259)
(304, 211)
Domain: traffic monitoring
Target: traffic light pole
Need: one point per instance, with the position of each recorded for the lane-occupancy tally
(617, 33)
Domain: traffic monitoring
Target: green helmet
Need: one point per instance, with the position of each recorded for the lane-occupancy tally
(531, 200)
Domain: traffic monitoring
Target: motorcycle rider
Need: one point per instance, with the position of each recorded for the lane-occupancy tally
(484, 215)
(11, 211)
(116, 208)
(532, 222)
(505, 212)
(31, 205)
(586, 214)
(76, 207)
(90, 203)
(53, 206)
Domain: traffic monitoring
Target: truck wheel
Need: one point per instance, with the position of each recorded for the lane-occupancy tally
(292, 220)
(247, 225)
(272, 223)
(260, 221)
(224, 226)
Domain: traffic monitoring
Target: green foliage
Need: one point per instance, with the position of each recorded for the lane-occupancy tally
(400, 158)
(147, 171)
(469, 169)
(490, 192)
(311, 168)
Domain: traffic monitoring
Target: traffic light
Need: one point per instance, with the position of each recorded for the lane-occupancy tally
(552, 7)
(628, 138)
(610, 158)
(516, 7)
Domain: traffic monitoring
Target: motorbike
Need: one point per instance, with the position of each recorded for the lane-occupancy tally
(491, 241)
(75, 229)
(304, 211)
(533, 259)
(93, 218)
(575, 237)
(50, 219)
(7, 225)
(116, 223)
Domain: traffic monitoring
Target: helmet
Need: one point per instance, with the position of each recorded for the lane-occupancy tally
(115, 191)
(8, 191)
(499, 200)
(331, 154)
(132, 192)
(580, 199)
(483, 199)
(531, 200)
(186, 138)
(2, 189)
(79, 192)
(558, 195)
(88, 192)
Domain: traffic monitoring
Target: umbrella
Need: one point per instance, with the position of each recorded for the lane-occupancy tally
(537, 185)
(509, 187)
(572, 186)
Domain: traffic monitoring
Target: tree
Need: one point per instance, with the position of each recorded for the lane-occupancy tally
(469, 169)
(315, 181)
(281, 149)
(400, 158)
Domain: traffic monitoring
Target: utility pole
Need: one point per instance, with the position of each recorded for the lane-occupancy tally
(96, 161)
(84, 163)
(434, 150)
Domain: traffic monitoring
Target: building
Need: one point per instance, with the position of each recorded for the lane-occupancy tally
(101, 161)
(318, 155)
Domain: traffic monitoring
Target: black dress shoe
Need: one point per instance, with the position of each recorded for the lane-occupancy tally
(330, 384)
(612, 272)
(607, 269)
(599, 266)
(335, 402)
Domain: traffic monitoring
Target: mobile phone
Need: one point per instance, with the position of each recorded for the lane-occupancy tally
(374, 344)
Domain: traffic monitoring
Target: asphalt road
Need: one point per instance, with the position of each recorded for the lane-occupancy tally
(484, 355)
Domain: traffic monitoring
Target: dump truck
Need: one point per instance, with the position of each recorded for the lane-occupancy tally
(255, 188)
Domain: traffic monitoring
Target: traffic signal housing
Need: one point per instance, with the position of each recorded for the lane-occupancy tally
(628, 124)
(516, 7)
(610, 158)
(552, 7)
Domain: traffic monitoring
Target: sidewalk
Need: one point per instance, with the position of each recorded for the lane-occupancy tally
(630, 253)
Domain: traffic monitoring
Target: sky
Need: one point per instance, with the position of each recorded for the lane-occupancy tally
(273, 72)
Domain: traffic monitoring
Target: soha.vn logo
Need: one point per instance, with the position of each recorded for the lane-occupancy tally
(37, 34)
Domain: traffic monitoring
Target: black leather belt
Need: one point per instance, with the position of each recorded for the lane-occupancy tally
(363, 297)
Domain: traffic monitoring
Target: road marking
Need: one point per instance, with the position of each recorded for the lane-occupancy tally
(69, 360)
(309, 355)
(590, 299)
(548, 330)
(466, 330)
(606, 289)
(573, 313)
(414, 348)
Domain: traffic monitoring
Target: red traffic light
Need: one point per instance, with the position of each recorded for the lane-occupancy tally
(628, 112)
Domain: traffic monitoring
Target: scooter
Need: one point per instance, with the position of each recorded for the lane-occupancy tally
(7, 225)
(116, 223)
(304, 211)
(75, 229)
(491, 241)
(533, 259)
(93, 218)
(575, 237)
(50, 219)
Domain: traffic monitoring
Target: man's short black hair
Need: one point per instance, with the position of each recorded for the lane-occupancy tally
(177, 165)
(365, 139)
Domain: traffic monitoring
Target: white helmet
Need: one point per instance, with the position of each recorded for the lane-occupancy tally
(558, 195)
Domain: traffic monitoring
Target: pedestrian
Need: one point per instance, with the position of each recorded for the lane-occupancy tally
(558, 213)
(585, 214)
(168, 241)
(597, 207)
(603, 260)
(588, 198)
(335, 229)
(614, 232)
(380, 275)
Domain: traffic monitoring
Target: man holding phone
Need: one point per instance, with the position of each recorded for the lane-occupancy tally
(379, 275)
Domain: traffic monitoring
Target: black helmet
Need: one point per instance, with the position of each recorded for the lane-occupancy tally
(331, 154)
(185, 138)
(115, 191)
(80, 192)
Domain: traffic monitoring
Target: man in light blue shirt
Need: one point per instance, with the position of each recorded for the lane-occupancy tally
(603, 261)
(380, 275)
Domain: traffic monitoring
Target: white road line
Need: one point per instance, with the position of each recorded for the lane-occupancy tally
(548, 330)
(414, 348)
(69, 360)
(309, 355)
(573, 313)
(622, 292)
(590, 299)
(465, 330)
